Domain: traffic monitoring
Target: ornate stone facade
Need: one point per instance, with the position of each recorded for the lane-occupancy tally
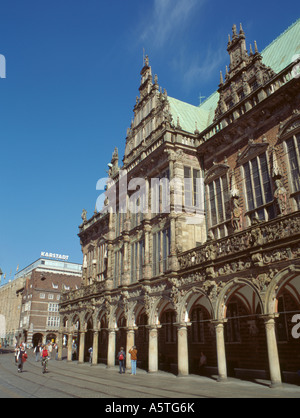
(219, 270)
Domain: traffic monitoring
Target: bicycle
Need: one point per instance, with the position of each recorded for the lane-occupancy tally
(45, 364)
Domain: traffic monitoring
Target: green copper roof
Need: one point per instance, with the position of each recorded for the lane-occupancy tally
(187, 115)
(278, 55)
(281, 52)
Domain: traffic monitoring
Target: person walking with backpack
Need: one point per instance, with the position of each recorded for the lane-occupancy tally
(121, 358)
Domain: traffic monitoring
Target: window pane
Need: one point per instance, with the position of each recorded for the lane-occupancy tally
(219, 200)
(196, 186)
(265, 178)
(188, 184)
(248, 187)
(256, 183)
(213, 212)
(295, 172)
(226, 197)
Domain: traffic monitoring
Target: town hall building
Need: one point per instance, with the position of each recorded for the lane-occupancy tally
(197, 246)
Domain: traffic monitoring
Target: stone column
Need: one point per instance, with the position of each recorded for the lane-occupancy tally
(153, 348)
(274, 364)
(129, 343)
(221, 352)
(147, 268)
(111, 352)
(81, 347)
(95, 348)
(183, 353)
(60, 345)
(70, 340)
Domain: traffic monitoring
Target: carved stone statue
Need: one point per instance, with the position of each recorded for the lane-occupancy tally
(236, 214)
(280, 196)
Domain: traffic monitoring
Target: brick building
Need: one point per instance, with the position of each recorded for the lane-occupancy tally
(197, 246)
(45, 281)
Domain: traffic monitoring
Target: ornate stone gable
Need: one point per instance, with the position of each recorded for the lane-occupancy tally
(151, 112)
(216, 171)
(253, 150)
(246, 73)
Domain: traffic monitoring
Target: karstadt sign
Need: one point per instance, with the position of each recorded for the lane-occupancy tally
(55, 256)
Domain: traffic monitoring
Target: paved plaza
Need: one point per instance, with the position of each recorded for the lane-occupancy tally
(71, 380)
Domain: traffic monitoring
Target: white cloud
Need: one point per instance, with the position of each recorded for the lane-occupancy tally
(202, 69)
(168, 19)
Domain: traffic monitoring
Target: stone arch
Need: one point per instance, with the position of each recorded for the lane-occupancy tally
(244, 290)
(88, 319)
(288, 278)
(75, 322)
(201, 333)
(193, 296)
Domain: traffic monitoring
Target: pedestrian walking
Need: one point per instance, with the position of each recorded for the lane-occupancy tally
(16, 353)
(21, 358)
(90, 350)
(45, 357)
(50, 351)
(56, 351)
(133, 353)
(36, 351)
(121, 358)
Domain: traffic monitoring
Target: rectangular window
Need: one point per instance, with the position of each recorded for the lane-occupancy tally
(258, 188)
(134, 262)
(293, 149)
(166, 249)
(219, 205)
(170, 319)
(232, 334)
(281, 322)
(192, 189)
(197, 326)
(156, 254)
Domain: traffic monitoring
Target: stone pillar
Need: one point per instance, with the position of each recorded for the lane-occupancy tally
(111, 352)
(183, 353)
(173, 263)
(153, 348)
(81, 347)
(95, 348)
(221, 352)
(60, 345)
(129, 343)
(70, 340)
(147, 268)
(126, 260)
(274, 364)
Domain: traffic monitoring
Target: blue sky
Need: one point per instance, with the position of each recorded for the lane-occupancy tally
(72, 76)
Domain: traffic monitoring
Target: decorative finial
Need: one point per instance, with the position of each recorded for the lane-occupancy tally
(251, 50)
(241, 30)
(256, 49)
(234, 31)
(221, 78)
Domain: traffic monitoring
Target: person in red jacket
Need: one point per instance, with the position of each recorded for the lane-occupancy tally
(44, 358)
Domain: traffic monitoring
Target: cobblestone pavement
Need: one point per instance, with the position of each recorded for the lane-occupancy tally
(71, 380)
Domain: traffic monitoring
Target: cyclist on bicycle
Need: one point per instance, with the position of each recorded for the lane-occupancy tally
(45, 355)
